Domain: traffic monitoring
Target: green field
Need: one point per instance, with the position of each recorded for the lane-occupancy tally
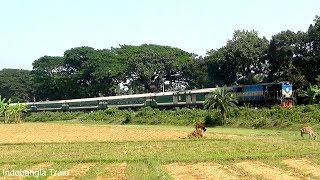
(147, 157)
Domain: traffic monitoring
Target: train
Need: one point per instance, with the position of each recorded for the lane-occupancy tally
(259, 95)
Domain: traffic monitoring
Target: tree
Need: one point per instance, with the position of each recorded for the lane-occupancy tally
(195, 73)
(49, 81)
(220, 71)
(151, 65)
(286, 58)
(15, 84)
(247, 51)
(312, 63)
(93, 72)
(241, 60)
(82, 72)
(222, 100)
(80, 79)
(104, 71)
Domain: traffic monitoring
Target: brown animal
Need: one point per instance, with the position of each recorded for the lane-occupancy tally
(308, 130)
(196, 133)
(200, 126)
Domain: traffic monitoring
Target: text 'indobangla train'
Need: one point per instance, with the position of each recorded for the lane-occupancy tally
(258, 95)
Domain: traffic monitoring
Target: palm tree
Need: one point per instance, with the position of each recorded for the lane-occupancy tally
(222, 100)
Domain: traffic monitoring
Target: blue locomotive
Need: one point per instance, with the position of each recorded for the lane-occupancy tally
(265, 94)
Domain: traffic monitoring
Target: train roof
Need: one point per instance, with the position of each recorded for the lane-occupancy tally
(106, 98)
(262, 84)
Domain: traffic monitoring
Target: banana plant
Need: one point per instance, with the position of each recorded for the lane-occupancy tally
(16, 111)
(313, 92)
(4, 108)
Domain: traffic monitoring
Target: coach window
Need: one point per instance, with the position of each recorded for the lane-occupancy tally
(239, 89)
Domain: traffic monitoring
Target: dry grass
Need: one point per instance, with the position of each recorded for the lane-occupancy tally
(207, 170)
(256, 168)
(113, 172)
(304, 166)
(44, 132)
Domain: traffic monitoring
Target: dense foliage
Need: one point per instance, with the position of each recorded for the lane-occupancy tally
(276, 117)
(245, 59)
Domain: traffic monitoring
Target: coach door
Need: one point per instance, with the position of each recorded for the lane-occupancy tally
(193, 98)
(175, 99)
(188, 98)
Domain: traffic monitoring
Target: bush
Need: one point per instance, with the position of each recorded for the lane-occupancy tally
(275, 117)
(214, 119)
(127, 118)
(51, 116)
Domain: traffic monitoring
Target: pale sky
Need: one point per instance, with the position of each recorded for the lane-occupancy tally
(31, 29)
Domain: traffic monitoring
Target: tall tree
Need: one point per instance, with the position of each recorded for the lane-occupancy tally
(220, 71)
(93, 72)
(48, 81)
(286, 58)
(105, 73)
(242, 60)
(151, 65)
(195, 73)
(15, 84)
(80, 80)
(247, 50)
(312, 63)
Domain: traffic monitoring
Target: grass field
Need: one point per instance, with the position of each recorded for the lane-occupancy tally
(97, 151)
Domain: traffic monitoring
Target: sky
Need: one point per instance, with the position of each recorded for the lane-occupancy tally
(31, 29)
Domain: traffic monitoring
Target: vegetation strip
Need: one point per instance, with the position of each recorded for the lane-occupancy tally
(200, 171)
(304, 166)
(113, 171)
(43, 165)
(257, 168)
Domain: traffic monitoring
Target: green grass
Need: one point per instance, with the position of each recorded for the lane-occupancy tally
(144, 158)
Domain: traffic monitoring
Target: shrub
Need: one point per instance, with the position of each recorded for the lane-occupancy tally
(275, 117)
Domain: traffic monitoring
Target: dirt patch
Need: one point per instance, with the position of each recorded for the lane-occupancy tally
(113, 172)
(75, 172)
(200, 171)
(304, 165)
(257, 168)
(45, 132)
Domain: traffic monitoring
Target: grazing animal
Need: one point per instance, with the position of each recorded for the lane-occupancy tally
(200, 126)
(308, 130)
(196, 133)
